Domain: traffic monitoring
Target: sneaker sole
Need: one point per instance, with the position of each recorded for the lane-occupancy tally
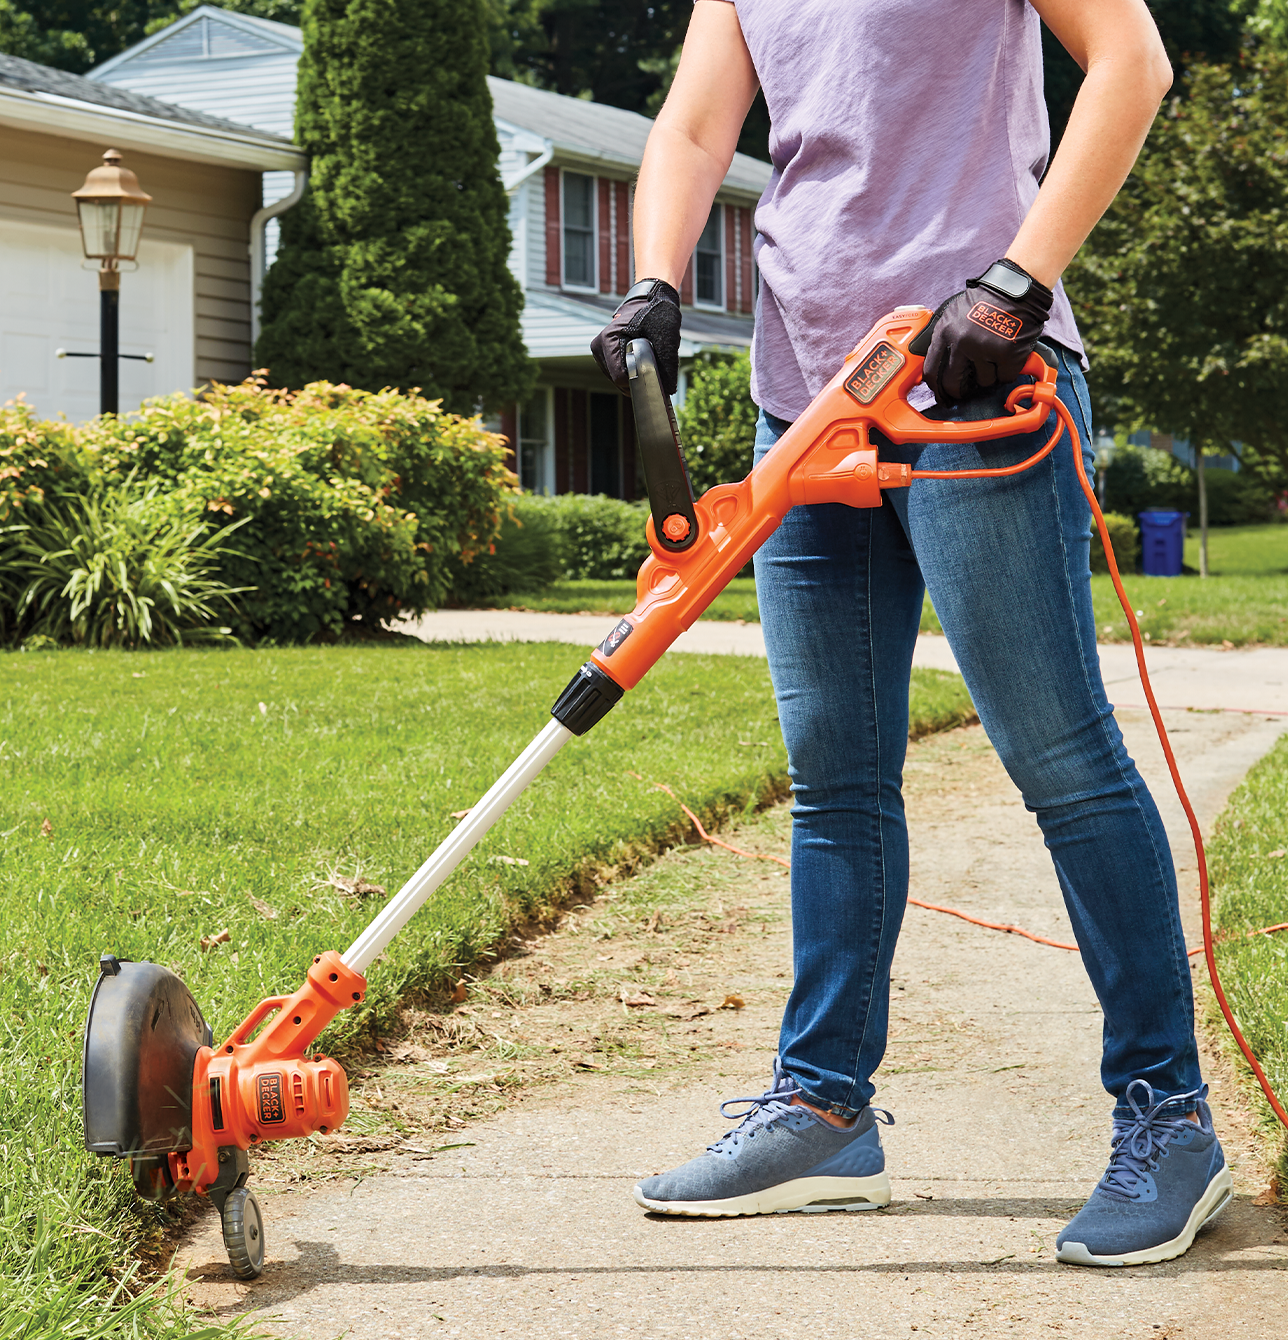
(1210, 1204)
(802, 1195)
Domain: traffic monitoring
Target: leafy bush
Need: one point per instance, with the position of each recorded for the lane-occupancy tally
(358, 505)
(603, 538)
(528, 554)
(1125, 539)
(717, 421)
(115, 570)
(1143, 478)
(37, 457)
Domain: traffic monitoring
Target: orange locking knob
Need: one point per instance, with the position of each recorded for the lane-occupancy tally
(676, 528)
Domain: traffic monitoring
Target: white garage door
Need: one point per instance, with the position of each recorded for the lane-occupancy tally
(48, 302)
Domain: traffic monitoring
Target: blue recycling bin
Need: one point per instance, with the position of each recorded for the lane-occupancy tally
(1162, 537)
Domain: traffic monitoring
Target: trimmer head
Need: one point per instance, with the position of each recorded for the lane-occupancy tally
(141, 1040)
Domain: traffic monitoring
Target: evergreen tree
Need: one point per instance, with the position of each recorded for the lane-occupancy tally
(392, 271)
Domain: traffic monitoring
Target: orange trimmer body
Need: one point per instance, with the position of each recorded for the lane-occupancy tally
(262, 1087)
(826, 456)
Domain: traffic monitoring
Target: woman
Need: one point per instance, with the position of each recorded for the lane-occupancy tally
(908, 143)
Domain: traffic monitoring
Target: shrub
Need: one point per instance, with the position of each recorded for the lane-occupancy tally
(717, 421)
(358, 505)
(37, 457)
(528, 554)
(603, 538)
(1143, 478)
(115, 570)
(1124, 537)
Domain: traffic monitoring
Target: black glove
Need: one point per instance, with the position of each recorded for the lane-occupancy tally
(650, 311)
(983, 335)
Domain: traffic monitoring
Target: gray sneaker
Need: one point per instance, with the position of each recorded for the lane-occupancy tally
(1167, 1177)
(779, 1159)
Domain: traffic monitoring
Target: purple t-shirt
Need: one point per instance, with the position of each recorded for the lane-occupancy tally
(908, 138)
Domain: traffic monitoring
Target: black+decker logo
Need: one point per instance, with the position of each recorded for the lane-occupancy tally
(874, 372)
(995, 320)
(268, 1098)
(617, 637)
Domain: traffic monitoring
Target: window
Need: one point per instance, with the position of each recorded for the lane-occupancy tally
(605, 445)
(708, 262)
(536, 448)
(578, 230)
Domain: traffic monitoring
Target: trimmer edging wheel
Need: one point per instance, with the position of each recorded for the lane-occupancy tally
(243, 1232)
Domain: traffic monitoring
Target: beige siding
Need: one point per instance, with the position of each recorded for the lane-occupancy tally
(206, 207)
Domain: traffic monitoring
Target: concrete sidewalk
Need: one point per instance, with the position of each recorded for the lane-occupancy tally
(1183, 677)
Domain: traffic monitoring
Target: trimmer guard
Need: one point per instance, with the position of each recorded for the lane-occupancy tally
(141, 1039)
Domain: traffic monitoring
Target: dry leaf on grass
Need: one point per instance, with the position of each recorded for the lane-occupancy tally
(460, 814)
(353, 888)
(1276, 855)
(260, 906)
(732, 1002)
(640, 998)
(585, 1063)
(218, 938)
(655, 921)
(507, 860)
(459, 993)
(46, 828)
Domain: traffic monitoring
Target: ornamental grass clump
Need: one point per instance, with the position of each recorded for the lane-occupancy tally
(116, 569)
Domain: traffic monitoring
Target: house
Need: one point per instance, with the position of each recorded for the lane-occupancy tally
(189, 301)
(568, 167)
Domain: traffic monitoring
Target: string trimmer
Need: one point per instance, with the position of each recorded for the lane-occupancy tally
(184, 1113)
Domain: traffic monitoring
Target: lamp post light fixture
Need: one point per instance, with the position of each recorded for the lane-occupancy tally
(110, 206)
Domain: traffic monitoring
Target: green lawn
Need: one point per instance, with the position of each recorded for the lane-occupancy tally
(736, 601)
(1244, 602)
(151, 799)
(1250, 884)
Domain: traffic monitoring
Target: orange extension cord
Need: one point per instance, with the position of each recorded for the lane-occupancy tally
(1066, 422)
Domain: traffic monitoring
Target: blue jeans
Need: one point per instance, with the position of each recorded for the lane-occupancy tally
(1006, 565)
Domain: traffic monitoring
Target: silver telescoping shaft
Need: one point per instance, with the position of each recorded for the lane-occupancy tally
(456, 847)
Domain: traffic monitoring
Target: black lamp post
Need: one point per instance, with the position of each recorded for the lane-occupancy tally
(110, 206)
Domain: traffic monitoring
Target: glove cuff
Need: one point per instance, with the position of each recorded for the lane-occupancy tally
(1009, 280)
(650, 288)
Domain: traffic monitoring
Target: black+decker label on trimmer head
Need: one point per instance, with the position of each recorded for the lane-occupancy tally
(269, 1097)
(617, 637)
(866, 381)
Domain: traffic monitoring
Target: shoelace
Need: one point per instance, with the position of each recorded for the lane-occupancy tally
(766, 1108)
(1141, 1141)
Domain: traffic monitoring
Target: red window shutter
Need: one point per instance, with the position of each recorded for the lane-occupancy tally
(554, 233)
(605, 238)
(730, 249)
(623, 238)
(686, 284)
(746, 301)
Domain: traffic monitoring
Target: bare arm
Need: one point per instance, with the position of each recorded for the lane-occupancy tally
(692, 141)
(1128, 73)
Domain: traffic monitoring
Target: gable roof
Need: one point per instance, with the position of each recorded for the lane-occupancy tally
(42, 98)
(597, 132)
(209, 33)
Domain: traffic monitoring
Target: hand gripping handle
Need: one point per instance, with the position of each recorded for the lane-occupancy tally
(666, 477)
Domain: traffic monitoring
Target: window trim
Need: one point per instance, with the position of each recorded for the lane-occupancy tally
(564, 282)
(706, 304)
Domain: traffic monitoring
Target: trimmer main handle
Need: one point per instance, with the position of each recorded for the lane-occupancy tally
(657, 442)
(826, 456)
